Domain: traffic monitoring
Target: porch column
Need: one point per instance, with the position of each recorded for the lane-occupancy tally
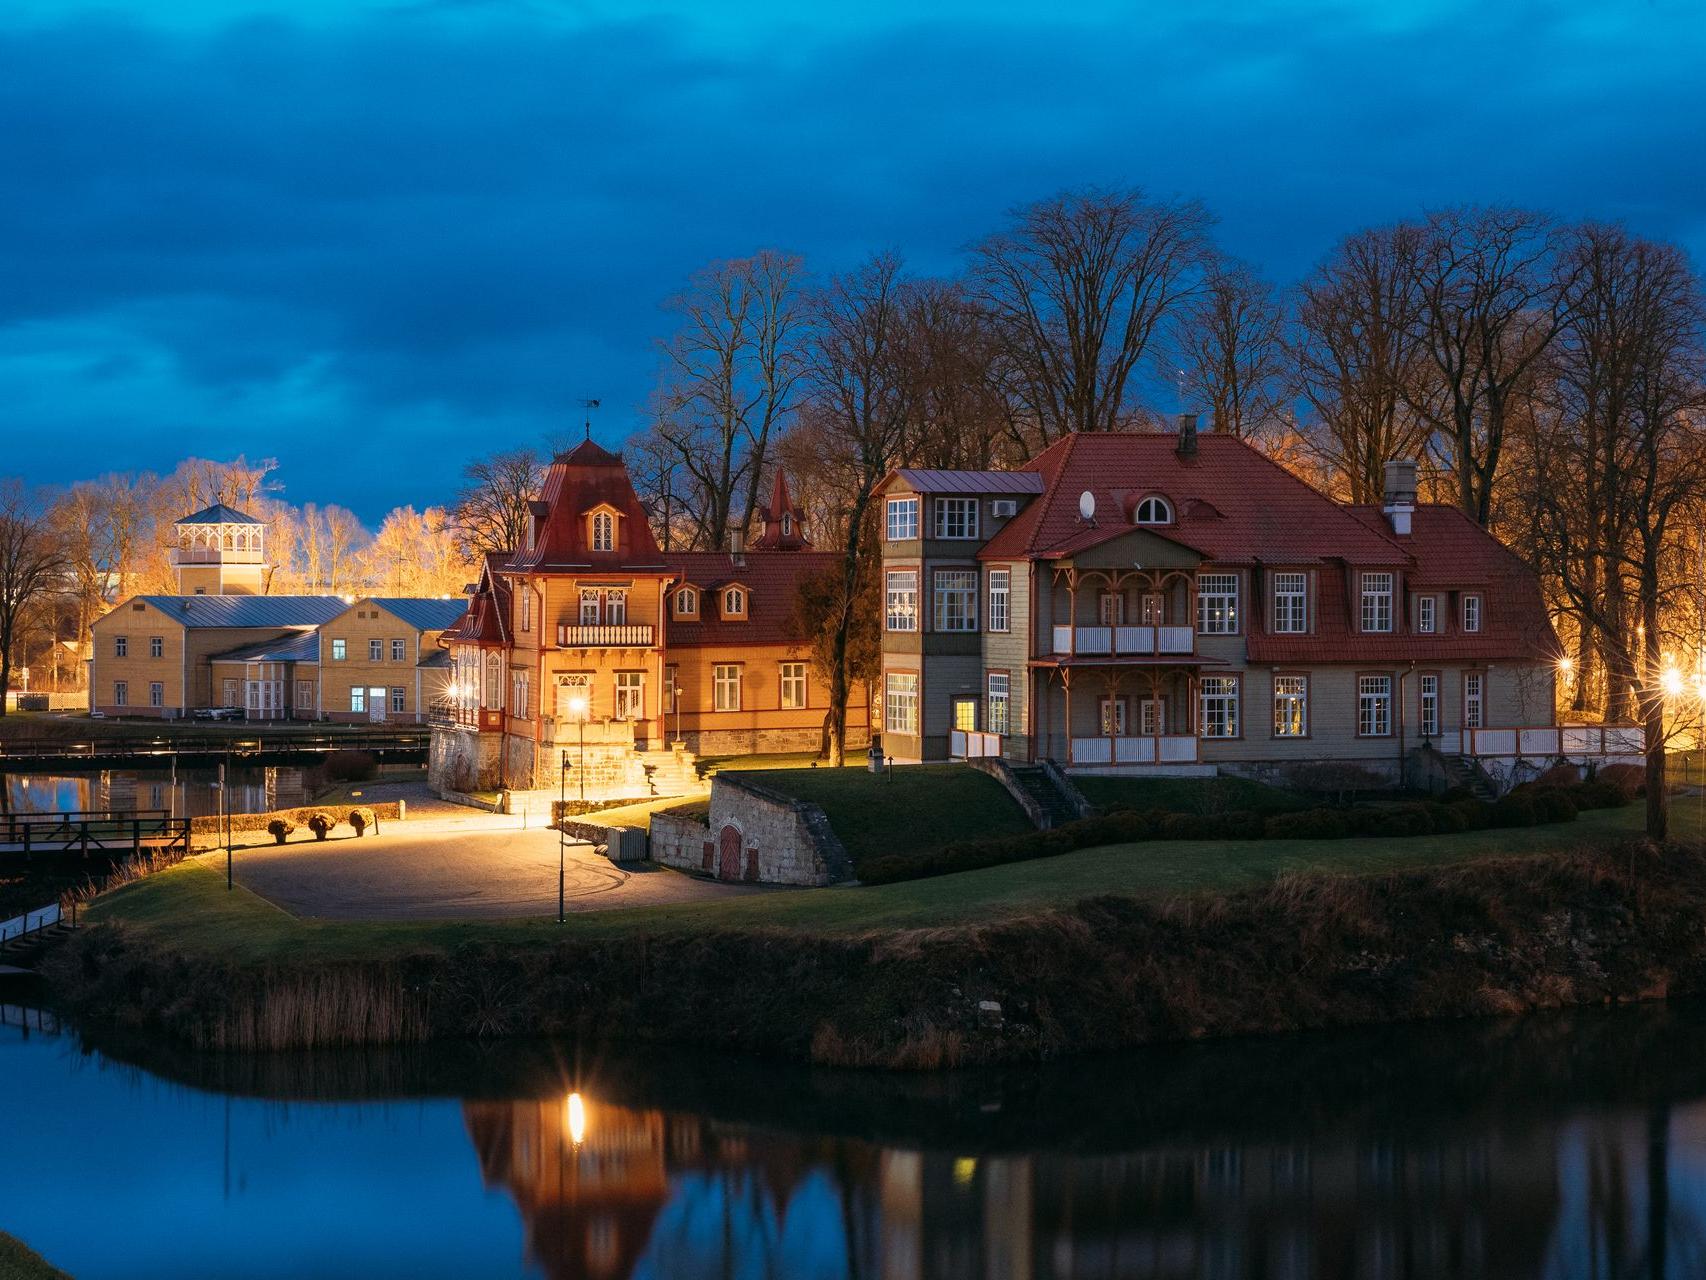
(1066, 686)
(1072, 625)
(1160, 713)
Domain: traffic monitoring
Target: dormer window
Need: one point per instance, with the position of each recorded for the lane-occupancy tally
(1471, 613)
(687, 602)
(603, 531)
(787, 525)
(734, 602)
(1153, 510)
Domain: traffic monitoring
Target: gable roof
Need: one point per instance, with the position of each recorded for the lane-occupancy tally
(423, 613)
(485, 616)
(219, 513)
(247, 611)
(586, 477)
(772, 580)
(301, 645)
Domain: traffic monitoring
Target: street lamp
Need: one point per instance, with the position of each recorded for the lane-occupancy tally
(562, 826)
(577, 708)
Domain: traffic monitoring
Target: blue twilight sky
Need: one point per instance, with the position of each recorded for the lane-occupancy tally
(374, 237)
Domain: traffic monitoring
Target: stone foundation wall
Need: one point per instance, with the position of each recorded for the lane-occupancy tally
(462, 760)
(755, 835)
(1289, 773)
(738, 742)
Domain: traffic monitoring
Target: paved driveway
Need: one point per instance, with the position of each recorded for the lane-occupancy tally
(472, 865)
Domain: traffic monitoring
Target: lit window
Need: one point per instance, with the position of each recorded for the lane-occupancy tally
(1374, 706)
(734, 602)
(900, 702)
(793, 684)
(956, 517)
(1425, 617)
(1377, 602)
(999, 703)
(1217, 604)
(358, 699)
(686, 603)
(604, 532)
(900, 600)
(725, 687)
(1000, 584)
(1471, 613)
(1218, 706)
(1429, 686)
(630, 695)
(902, 522)
(1153, 511)
(956, 600)
(1291, 603)
(1291, 706)
(616, 607)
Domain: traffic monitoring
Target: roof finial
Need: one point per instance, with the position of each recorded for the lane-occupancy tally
(589, 406)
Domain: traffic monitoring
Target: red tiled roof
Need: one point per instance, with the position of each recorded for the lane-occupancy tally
(771, 537)
(772, 580)
(1231, 503)
(487, 619)
(576, 482)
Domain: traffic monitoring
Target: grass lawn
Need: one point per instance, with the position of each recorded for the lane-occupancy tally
(913, 808)
(189, 908)
(640, 813)
(18, 1262)
(1191, 795)
(708, 765)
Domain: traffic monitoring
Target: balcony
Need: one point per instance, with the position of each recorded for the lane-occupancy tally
(215, 555)
(1167, 748)
(1571, 742)
(1123, 642)
(604, 636)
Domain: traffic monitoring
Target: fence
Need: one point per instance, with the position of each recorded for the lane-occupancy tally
(84, 832)
(30, 922)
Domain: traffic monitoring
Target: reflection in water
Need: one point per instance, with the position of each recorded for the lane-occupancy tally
(184, 793)
(1567, 1148)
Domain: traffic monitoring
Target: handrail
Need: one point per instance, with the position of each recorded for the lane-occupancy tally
(31, 749)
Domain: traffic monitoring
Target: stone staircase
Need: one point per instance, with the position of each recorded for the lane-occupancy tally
(1056, 807)
(1463, 771)
(672, 773)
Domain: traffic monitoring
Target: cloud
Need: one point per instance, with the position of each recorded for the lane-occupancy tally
(376, 241)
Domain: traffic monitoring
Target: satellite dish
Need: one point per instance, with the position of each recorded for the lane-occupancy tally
(1087, 505)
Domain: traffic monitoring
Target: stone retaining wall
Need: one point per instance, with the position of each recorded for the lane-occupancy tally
(753, 834)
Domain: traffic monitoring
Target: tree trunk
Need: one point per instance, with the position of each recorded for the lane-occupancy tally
(1653, 709)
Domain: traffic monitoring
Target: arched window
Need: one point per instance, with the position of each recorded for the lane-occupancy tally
(787, 525)
(1153, 511)
(686, 602)
(734, 602)
(604, 532)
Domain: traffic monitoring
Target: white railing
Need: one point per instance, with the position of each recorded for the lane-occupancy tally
(30, 922)
(1169, 748)
(214, 555)
(606, 635)
(964, 744)
(1123, 641)
(1539, 742)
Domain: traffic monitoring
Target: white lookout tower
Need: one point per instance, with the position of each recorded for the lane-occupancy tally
(220, 552)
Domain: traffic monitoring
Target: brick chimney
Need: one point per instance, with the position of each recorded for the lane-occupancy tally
(1187, 446)
(737, 546)
(1400, 501)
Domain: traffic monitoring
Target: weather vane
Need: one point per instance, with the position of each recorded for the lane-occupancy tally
(589, 406)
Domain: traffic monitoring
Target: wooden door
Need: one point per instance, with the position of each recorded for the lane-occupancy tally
(728, 854)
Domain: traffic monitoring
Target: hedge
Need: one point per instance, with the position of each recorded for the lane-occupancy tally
(1526, 806)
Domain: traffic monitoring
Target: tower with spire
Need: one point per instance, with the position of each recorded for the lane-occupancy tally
(783, 529)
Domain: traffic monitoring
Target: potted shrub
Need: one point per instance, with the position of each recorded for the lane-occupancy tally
(279, 829)
(320, 824)
(361, 819)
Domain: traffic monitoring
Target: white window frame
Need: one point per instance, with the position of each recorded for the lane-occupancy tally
(1427, 693)
(399, 651)
(1217, 605)
(1427, 615)
(121, 646)
(1375, 611)
(1153, 510)
(1291, 603)
(1471, 612)
(1374, 706)
(590, 608)
(376, 651)
(791, 685)
(630, 702)
(399, 699)
(616, 607)
(734, 602)
(1291, 706)
(725, 686)
(340, 650)
(304, 693)
(358, 698)
(520, 695)
(953, 600)
(687, 602)
(1000, 599)
(900, 600)
(156, 693)
(900, 703)
(900, 519)
(998, 702)
(955, 519)
(1474, 703)
(156, 646)
(121, 693)
(603, 531)
(1217, 706)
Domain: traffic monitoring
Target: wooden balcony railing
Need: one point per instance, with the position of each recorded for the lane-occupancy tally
(1124, 641)
(604, 635)
(1167, 748)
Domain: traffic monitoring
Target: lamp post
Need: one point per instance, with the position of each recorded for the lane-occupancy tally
(577, 705)
(562, 826)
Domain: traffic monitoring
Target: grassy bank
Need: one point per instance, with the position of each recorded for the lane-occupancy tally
(17, 1262)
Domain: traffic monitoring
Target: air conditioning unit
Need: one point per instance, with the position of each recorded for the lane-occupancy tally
(1002, 508)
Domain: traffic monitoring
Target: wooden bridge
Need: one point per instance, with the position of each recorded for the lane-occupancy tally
(90, 834)
(407, 746)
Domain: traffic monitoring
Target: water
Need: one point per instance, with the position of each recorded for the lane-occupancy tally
(185, 793)
(1561, 1147)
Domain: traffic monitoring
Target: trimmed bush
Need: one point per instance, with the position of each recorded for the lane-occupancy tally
(1515, 810)
(361, 819)
(1553, 804)
(1596, 794)
(278, 828)
(1311, 824)
(1562, 774)
(1630, 779)
(320, 824)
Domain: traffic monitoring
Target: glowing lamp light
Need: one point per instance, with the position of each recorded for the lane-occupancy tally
(574, 1119)
(1566, 665)
(577, 705)
(1671, 682)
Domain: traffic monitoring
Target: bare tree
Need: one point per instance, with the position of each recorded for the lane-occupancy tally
(32, 567)
(490, 513)
(1355, 354)
(1229, 345)
(731, 373)
(950, 356)
(1077, 285)
(1490, 304)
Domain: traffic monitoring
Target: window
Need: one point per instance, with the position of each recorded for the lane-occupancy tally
(397, 650)
(1150, 610)
(1377, 602)
(1374, 706)
(725, 687)
(1429, 688)
(1219, 706)
(1425, 619)
(999, 713)
(964, 716)
(376, 651)
(339, 650)
(900, 702)
(603, 532)
(1000, 591)
(156, 694)
(900, 600)
(787, 525)
(687, 603)
(305, 694)
(1474, 700)
(1471, 613)
(121, 693)
(956, 517)
(1152, 717)
(902, 519)
(358, 699)
(672, 689)
(399, 697)
(616, 607)
(121, 646)
(520, 701)
(1217, 604)
(630, 695)
(793, 684)
(1113, 717)
(229, 697)
(734, 602)
(1291, 706)
(589, 607)
(1153, 511)
(156, 646)
(956, 600)
(526, 607)
(1110, 608)
(1291, 602)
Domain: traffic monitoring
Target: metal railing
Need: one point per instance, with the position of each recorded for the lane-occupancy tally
(603, 635)
(31, 922)
(213, 744)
